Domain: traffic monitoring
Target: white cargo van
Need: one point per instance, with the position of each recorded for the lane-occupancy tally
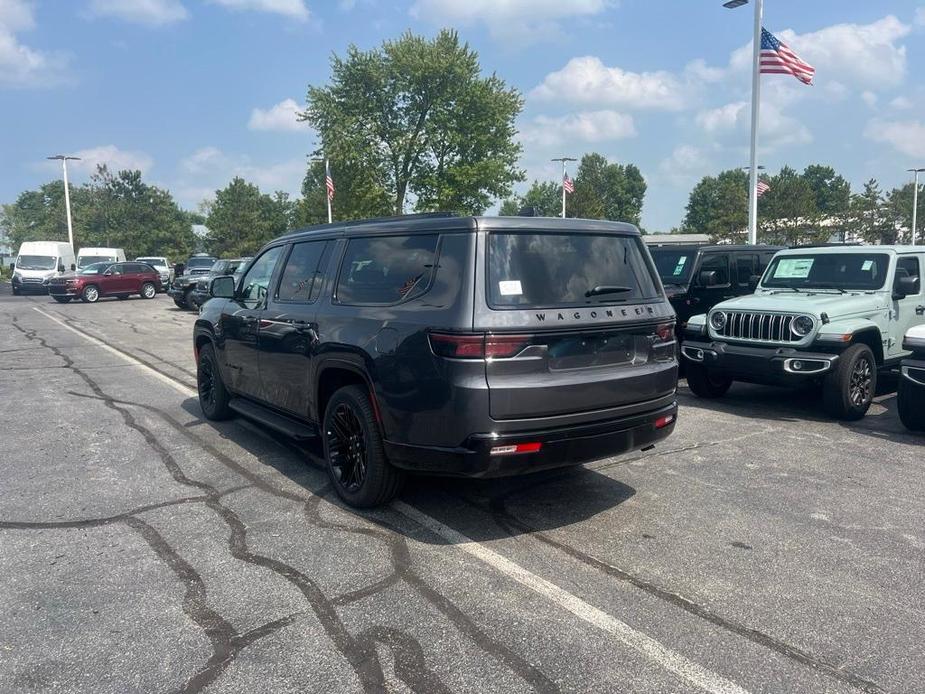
(39, 261)
(88, 256)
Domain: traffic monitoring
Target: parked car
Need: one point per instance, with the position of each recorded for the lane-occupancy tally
(200, 293)
(89, 256)
(162, 265)
(834, 316)
(38, 262)
(697, 277)
(106, 279)
(450, 345)
(184, 283)
(911, 399)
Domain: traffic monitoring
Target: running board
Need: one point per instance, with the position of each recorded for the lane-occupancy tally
(288, 426)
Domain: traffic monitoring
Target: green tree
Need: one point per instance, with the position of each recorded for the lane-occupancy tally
(788, 212)
(899, 211)
(122, 211)
(545, 197)
(357, 195)
(39, 215)
(416, 118)
(718, 206)
(607, 191)
(869, 217)
(831, 192)
(242, 219)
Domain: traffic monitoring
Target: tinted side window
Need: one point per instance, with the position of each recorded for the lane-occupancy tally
(911, 265)
(386, 269)
(116, 270)
(302, 276)
(745, 268)
(136, 267)
(257, 280)
(719, 264)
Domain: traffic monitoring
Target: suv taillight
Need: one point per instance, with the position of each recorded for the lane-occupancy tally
(665, 332)
(478, 346)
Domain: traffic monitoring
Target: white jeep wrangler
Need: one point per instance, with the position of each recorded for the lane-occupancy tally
(834, 315)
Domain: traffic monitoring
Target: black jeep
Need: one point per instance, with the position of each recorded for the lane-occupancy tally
(449, 345)
(184, 281)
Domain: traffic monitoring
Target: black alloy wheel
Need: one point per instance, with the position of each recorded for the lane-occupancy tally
(213, 396)
(861, 388)
(848, 389)
(347, 446)
(359, 470)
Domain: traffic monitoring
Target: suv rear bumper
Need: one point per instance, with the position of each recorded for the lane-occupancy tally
(560, 447)
(783, 365)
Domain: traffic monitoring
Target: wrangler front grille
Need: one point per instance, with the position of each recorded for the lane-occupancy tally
(759, 327)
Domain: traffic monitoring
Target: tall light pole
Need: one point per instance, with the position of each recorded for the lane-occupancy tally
(67, 195)
(564, 161)
(756, 101)
(915, 199)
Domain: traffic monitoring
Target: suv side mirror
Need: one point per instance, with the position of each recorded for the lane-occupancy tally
(222, 287)
(60, 267)
(903, 286)
(753, 282)
(708, 278)
(73, 267)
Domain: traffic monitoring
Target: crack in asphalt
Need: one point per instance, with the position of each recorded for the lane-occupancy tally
(359, 650)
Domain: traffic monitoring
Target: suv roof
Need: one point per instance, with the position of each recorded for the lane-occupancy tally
(694, 247)
(430, 222)
(852, 249)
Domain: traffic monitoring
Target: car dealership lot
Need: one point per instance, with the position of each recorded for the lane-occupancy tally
(761, 548)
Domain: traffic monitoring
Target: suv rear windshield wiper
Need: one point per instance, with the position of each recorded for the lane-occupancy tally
(607, 289)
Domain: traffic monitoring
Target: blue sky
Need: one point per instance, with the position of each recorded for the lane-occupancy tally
(195, 91)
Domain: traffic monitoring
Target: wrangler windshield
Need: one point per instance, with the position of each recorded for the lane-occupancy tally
(674, 266)
(537, 270)
(860, 271)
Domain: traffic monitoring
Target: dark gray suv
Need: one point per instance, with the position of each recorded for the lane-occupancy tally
(474, 346)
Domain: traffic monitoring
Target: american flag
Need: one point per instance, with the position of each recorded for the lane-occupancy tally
(568, 184)
(778, 59)
(762, 188)
(328, 181)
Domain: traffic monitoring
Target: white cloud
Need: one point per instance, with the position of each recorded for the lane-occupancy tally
(901, 103)
(113, 157)
(869, 98)
(21, 66)
(209, 168)
(685, 165)
(587, 80)
(775, 129)
(153, 12)
(920, 16)
(865, 55)
(587, 126)
(283, 117)
(294, 9)
(525, 21)
(906, 137)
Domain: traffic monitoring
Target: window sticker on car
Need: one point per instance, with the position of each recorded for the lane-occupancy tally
(867, 265)
(510, 288)
(681, 262)
(793, 268)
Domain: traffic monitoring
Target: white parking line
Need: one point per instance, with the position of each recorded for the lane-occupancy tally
(670, 660)
(673, 662)
(176, 385)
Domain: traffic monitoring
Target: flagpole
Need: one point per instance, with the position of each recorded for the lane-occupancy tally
(563, 188)
(756, 105)
(327, 194)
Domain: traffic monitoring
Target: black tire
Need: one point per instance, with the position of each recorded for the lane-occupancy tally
(148, 290)
(213, 395)
(62, 299)
(909, 402)
(179, 303)
(705, 383)
(91, 294)
(188, 299)
(15, 291)
(355, 457)
(848, 390)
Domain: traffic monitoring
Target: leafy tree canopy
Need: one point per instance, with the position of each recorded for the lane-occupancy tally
(241, 219)
(415, 118)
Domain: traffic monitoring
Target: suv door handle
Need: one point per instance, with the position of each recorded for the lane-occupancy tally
(920, 310)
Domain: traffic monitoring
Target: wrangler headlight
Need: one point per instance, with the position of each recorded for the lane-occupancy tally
(802, 326)
(718, 320)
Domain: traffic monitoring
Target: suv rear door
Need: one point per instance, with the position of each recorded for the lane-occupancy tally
(576, 322)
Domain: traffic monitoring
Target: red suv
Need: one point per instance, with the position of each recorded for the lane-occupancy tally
(106, 279)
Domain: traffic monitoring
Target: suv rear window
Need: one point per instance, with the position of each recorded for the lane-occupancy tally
(539, 270)
(386, 269)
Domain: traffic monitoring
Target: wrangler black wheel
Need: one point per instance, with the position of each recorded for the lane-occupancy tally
(849, 388)
(356, 461)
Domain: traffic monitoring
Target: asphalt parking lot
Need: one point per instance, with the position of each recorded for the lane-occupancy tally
(761, 548)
